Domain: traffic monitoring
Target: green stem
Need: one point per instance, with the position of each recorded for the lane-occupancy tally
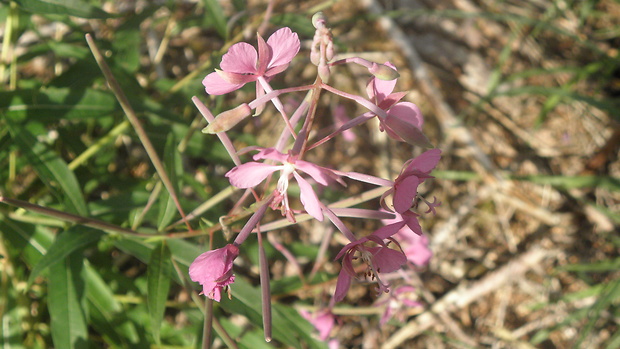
(73, 218)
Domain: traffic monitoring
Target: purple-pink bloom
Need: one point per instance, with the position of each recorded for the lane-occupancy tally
(410, 237)
(404, 120)
(414, 173)
(396, 302)
(252, 173)
(322, 320)
(243, 64)
(213, 270)
(380, 259)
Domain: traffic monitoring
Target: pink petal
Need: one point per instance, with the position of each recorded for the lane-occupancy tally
(409, 113)
(264, 55)
(342, 285)
(387, 260)
(308, 198)
(405, 191)
(320, 174)
(403, 130)
(378, 89)
(418, 252)
(388, 230)
(275, 70)
(250, 174)
(411, 219)
(426, 161)
(213, 270)
(392, 99)
(241, 58)
(284, 46)
(271, 154)
(323, 321)
(215, 85)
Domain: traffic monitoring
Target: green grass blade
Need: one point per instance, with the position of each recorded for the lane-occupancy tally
(52, 170)
(609, 295)
(66, 299)
(75, 8)
(106, 314)
(53, 103)
(158, 287)
(67, 242)
(172, 164)
(215, 17)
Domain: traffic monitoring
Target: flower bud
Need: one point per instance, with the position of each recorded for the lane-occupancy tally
(324, 72)
(329, 50)
(319, 20)
(228, 119)
(383, 72)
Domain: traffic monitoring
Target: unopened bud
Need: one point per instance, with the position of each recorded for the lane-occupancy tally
(329, 50)
(324, 72)
(383, 72)
(315, 56)
(319, 20)
(228, 119)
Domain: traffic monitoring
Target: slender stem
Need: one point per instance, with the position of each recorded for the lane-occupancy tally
(301, 142)
(278, 104)
(206, 113)
(207, 330)
(265, 287)
(253, 221)
(366, 103)
(131, 115)
(339, 224)
(70, 217)
(205, 206)
(354, 122)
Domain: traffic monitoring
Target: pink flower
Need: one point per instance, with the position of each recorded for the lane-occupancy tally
(410, 237)
(243, 64)
(322, 320)
(404, 120)
(397, 302)
(415, 171)
(252, 173)
(380, 259)
(213, 270)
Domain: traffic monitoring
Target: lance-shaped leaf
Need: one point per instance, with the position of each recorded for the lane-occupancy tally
(67, 242)
(66, 303)
(158, 286)
(52, 170)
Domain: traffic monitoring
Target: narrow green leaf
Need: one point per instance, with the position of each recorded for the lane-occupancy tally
(66, 300)
(106, 314)
(158, 287)
(598, 267)
(214, 16)
(610, 293)
(172, 163)
(55, 103)
(75, 8)
(75, 238)
(52, 170)
(288, 326)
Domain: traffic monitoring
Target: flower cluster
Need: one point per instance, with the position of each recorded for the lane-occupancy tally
(385, 250)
